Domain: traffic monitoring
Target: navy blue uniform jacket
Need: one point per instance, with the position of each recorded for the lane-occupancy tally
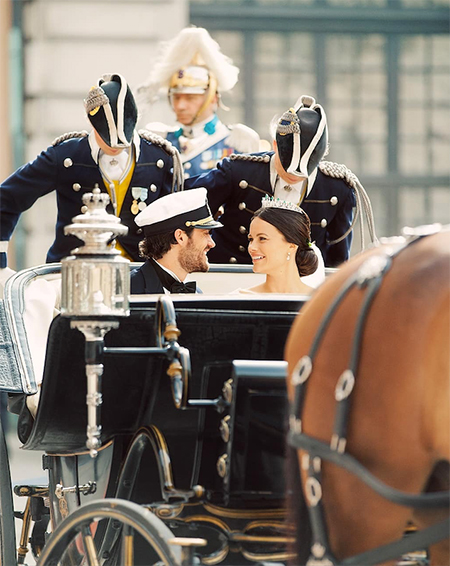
(69, 169)
(330, 217)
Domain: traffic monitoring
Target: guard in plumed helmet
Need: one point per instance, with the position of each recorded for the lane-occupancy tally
(295, 171)
(177, 237)
(134, 168)
(194, 73)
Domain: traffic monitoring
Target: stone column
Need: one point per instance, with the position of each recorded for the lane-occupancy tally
(5, 26)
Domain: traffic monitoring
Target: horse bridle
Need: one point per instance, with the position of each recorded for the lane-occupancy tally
(369, 277)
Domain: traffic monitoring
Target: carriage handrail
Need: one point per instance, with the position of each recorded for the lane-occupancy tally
(14, 301)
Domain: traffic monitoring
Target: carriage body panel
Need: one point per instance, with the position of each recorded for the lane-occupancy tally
(229, 337)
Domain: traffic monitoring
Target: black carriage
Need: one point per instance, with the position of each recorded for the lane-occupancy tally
(191, 462)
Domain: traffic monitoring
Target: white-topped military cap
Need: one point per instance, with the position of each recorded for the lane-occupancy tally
(185, 209)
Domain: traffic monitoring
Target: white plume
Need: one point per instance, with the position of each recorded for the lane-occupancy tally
(179, 52)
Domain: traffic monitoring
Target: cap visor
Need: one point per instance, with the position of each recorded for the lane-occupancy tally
(210, 225)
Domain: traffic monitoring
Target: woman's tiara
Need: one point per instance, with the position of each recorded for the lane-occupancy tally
(271, 202)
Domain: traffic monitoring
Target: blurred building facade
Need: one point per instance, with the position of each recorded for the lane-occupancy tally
(380, 68)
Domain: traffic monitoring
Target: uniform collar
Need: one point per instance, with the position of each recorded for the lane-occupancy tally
(208, 126)
(95, 148)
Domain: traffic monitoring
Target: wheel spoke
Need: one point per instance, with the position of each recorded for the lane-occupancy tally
(89, 546)
(127, 546)
(130, 517)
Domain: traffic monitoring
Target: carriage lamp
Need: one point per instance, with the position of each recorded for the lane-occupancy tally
(95, 286)
(95, 278)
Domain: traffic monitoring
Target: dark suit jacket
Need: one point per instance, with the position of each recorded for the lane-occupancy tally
(144, 280)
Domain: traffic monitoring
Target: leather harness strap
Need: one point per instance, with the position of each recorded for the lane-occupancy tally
(369, 276)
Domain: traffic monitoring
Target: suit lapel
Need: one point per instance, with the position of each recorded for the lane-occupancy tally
(152, 284)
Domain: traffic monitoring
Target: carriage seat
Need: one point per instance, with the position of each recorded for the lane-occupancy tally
(31, 302)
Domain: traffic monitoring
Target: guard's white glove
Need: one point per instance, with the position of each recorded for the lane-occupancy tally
(5, 274)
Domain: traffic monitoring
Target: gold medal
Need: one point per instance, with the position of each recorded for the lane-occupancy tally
(135, 207)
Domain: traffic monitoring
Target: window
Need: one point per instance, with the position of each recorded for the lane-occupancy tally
(383, 80)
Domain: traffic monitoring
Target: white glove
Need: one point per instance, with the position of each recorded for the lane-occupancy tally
(5, 274)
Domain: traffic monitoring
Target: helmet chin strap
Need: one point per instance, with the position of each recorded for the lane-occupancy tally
(210, 94)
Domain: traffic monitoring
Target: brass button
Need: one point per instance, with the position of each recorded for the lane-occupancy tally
(232, 260)
(323, 222)
(222, 465)
(242, 206)
(76, 187)
(227, 390)
(68, 162)
(334, 201)
(153, 188)
(225, 429)
(160, 163)
(243, 184)
(242, 229)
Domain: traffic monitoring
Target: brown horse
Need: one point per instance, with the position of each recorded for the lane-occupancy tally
(395, 416)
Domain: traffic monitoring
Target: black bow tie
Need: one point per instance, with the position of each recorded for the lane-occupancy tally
(171, 284)
(178, 287)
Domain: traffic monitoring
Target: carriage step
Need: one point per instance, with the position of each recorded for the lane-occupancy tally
(31, 490)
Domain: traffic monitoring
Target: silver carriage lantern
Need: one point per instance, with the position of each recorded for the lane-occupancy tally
(95, 278)
(95, 287)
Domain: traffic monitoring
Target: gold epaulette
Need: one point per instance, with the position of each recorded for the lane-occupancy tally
(70, 135)
(157, 140)
(250, 157)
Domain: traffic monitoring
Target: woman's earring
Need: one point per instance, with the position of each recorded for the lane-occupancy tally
(288, 256)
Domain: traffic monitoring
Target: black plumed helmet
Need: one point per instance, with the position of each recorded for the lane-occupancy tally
(302, 137)
(112, 110)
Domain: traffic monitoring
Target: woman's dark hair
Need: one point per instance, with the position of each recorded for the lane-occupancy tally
(157, 246)
(296, 228)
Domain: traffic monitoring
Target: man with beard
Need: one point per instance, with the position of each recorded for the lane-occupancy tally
(177, 230)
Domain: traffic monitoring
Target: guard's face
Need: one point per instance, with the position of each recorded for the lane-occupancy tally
(268, 248)
(186, 107)
(192, 255)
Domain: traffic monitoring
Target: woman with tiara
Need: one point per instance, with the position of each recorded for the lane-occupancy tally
(280, 247)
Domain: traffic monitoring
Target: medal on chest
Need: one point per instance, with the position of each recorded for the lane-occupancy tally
(139, 195)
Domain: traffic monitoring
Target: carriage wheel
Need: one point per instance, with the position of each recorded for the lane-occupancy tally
(128, 518)
(7, 531)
